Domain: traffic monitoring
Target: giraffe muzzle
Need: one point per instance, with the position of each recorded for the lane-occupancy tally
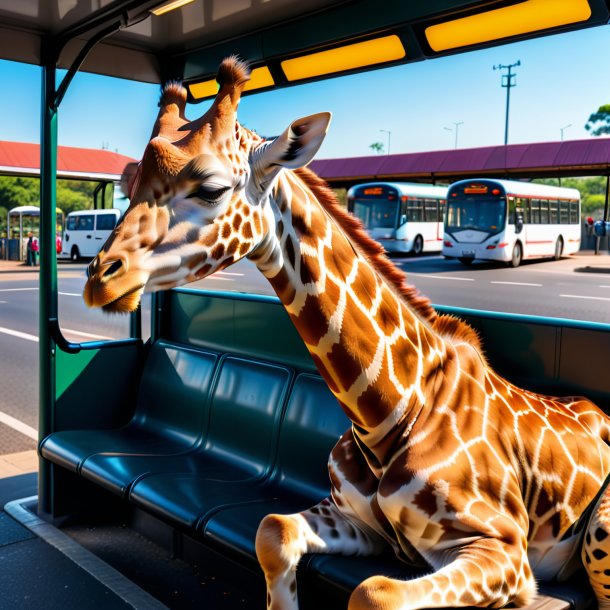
(113, 286)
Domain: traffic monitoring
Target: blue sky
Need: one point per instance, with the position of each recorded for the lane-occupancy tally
(561, 80)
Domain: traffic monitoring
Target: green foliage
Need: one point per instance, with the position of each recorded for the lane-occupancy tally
(376, 147)
(72, 195)
(599, 122)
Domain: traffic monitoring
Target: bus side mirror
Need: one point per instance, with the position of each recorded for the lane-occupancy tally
(403, 219)
(519, 224)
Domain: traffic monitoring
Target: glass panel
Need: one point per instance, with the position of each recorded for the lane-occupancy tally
(478, 213)
(535, 211)
(544, 212)
(431, 210)
(574, 213)
(564, 212)
(105, 222)
(376, 213)
(554, 215)
(84, 223)
(415, 210)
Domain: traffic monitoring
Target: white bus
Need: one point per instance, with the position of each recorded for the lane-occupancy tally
(508, 221)
(401, 216)
(86, 232)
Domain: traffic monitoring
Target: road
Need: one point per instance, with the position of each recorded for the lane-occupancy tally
(577, 288)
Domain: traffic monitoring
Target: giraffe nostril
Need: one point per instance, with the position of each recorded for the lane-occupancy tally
(112, 269)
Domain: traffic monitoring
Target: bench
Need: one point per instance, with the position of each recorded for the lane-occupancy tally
(219, 439)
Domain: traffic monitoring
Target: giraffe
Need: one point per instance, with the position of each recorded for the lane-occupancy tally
(487, 486)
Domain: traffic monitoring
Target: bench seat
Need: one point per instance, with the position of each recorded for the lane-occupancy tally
(216, 442)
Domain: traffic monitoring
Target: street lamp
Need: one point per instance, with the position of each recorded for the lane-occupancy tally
(562, 129)
(508, 80)
(389, 136)
(456, 129)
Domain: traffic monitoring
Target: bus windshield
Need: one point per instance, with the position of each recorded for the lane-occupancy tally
(376, 213)
(480, 213)
(376, 205)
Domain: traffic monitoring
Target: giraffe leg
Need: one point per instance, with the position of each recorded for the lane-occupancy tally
(596, 550)
(485, 573)
(282, 540)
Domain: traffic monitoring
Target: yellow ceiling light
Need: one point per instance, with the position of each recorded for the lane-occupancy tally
(347, 57)
(259, 78)
(521, 18)
(166, 7)
(207, 88)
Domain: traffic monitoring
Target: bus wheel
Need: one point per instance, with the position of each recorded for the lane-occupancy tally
(418, 245)
(515, 261)
(74, 254)
(466, 261)
(558, 249)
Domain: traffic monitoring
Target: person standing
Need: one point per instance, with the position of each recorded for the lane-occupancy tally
(35, 250)
(30, 258)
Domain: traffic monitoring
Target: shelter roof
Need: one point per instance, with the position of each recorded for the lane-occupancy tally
(541, 159)
(23, 159)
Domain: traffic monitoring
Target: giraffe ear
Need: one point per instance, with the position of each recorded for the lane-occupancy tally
(297, 146)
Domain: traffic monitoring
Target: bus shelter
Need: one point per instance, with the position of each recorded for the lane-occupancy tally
(21, 221)
(287, 43)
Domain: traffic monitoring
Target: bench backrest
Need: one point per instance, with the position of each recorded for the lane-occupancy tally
(312, 425)
(245, 413)
(174, 392)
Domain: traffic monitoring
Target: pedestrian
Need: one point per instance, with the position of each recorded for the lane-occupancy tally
(30, 259)
(35, 250)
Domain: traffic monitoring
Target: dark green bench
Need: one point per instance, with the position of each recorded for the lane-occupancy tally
(232, 422)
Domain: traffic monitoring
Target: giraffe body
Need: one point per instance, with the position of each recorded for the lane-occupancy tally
(446, 463)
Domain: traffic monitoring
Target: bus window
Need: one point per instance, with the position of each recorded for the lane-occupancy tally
(105, 222)
(442, 204)
(431, 210)
(415, 210)
(564, 212)
(544, 212)
(574, 213)
(535, 211)
(71, 223)
(554, 212)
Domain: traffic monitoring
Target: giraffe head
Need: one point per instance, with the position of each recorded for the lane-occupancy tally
(199, 199)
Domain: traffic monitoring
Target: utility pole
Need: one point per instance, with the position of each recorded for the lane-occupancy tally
(508, 80)
(562, 129)
(456, 128)
(389, 136)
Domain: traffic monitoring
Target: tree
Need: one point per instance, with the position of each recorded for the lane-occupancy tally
(599, 122)
(376, 147)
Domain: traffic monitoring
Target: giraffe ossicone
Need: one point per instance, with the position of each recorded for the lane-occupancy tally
(446, 463)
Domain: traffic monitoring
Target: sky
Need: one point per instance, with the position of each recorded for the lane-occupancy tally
(561, 81)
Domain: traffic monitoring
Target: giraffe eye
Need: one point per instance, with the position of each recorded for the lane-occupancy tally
(211, 195)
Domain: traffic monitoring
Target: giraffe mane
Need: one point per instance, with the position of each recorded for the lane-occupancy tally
(446, 325)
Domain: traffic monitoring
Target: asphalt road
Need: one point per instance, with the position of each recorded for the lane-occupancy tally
(577, 288)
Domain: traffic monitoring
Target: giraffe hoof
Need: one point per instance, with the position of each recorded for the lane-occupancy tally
(377, 593)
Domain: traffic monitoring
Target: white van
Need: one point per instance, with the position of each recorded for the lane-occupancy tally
(86, 232)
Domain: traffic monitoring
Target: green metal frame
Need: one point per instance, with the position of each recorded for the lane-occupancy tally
(50, 336)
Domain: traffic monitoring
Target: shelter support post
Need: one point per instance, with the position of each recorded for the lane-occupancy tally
(48, 274)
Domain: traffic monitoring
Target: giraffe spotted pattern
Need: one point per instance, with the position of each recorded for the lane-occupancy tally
(455, 469)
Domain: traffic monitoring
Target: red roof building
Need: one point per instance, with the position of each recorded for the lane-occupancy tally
(23, 159)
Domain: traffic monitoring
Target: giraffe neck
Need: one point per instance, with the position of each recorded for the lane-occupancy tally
(373, 349)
